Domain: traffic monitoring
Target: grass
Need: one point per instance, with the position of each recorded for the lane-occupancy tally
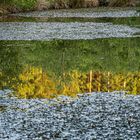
(101, 54)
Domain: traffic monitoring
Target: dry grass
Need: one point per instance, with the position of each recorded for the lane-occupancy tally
(42, 5)
(4, 9)
(91, 3)
(59, 4)
(83, 3)
(14, 6)
(122, 3)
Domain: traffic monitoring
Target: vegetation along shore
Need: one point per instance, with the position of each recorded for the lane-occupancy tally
(14, 6)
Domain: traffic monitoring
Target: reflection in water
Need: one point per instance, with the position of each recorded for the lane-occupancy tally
(40, 69)
(33, 82)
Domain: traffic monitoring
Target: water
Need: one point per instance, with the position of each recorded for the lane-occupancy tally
(95, 116)
(72, 25)
(62, 41)
(56, 30)
(45, 54)
(90, 13)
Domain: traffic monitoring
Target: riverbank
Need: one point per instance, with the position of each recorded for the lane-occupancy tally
(11, 6)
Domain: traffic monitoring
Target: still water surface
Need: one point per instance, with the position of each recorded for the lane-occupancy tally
(60, 42)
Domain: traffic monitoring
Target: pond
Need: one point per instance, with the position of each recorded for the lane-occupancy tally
(70, 51)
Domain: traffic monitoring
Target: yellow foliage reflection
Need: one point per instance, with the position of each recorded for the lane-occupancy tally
(33, 82)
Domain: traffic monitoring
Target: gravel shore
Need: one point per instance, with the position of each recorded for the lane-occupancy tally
(102, 116)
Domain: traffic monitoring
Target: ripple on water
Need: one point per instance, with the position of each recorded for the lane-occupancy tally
(59, 30)
(91, 116)
(78, 13)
